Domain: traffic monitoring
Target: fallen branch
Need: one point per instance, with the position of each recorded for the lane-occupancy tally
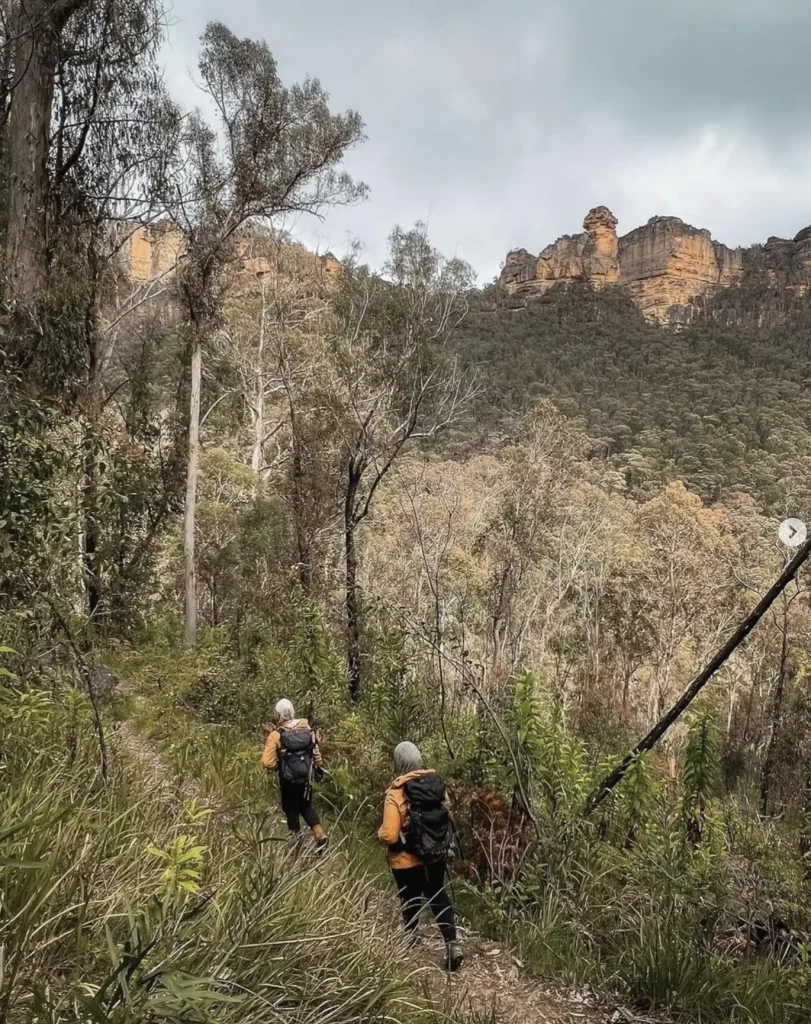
(697, 685)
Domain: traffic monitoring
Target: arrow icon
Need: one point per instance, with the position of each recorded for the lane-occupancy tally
(792, 533)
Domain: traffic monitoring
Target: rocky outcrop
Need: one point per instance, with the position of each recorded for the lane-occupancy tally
(667, 265)
(591, 255)
(671, 270)
(148, 252)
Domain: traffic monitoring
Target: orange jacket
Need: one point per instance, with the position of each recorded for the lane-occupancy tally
(270, 755)
(395, 820)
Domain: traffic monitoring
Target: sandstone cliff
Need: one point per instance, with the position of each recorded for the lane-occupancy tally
(592, 254)
(149, 252)
(671, 270)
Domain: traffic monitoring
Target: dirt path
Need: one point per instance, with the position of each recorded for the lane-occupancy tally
(491, 982)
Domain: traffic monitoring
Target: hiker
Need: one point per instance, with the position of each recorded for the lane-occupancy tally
(293, 750)
(417, 829)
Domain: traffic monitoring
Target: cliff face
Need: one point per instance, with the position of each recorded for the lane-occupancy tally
(592, 254)
(666, 265)
(671, 270)
(151, 252)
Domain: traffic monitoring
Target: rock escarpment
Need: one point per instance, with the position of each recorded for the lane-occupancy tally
(150, 252)
(667, 265)
(671, 270)
(592, 254)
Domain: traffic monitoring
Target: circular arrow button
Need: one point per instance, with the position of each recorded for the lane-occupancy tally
(792, 533)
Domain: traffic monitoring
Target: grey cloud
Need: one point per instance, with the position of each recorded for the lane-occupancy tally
(677, 62)
(502, 126)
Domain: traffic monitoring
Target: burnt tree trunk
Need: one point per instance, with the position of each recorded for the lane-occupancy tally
(767, 774)
(612, 780)
(353, 651)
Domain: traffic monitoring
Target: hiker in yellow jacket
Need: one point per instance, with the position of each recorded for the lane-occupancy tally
(416, 877)
(293, 750)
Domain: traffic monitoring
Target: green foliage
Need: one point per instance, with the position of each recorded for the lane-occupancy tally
(33, 520)
(554, 758)
(399, 705)
(652, 399)
(701, 772)
(639, 800)
(183, 860)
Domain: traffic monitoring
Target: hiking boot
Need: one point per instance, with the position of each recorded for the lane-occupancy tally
(455, 956)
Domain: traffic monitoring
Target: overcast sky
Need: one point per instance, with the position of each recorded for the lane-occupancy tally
(501, 128)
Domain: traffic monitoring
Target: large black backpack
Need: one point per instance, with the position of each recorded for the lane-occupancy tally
(296, 748)
(430, 830)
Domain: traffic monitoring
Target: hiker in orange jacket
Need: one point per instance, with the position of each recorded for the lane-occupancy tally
(417, 875)
(293, 750)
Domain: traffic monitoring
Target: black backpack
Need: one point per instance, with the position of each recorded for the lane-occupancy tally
(296, 748)
(430, 830)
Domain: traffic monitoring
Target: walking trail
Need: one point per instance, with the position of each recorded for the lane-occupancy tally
(492, 982)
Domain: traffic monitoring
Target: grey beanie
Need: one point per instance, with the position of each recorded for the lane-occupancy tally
(407, 758)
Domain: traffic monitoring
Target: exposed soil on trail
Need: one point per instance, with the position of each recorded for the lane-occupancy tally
(493, 982)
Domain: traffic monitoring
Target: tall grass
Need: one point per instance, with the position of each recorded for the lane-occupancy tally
(126, 902)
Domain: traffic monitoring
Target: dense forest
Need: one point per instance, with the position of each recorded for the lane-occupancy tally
(725, 408)
(511, 535)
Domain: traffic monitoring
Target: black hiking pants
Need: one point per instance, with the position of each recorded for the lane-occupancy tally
(296, 803)
(425, 882)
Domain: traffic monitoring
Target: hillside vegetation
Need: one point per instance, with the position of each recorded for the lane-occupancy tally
(725, 408)
(511, 536)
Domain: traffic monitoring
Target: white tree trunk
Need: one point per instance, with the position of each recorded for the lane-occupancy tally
(257, 456)
(191, 493)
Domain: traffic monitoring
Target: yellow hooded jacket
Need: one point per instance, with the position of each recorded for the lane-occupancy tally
(395, 821)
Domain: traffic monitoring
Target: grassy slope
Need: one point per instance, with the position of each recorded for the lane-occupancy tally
(642, 923)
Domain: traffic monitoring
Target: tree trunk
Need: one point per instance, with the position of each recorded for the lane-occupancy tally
(257, 459)
(29, 123)
(193, 457)
(300, 503)
(777, 720)
(611, 781)
(91, 531)
(352, 613)
(90, 426)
